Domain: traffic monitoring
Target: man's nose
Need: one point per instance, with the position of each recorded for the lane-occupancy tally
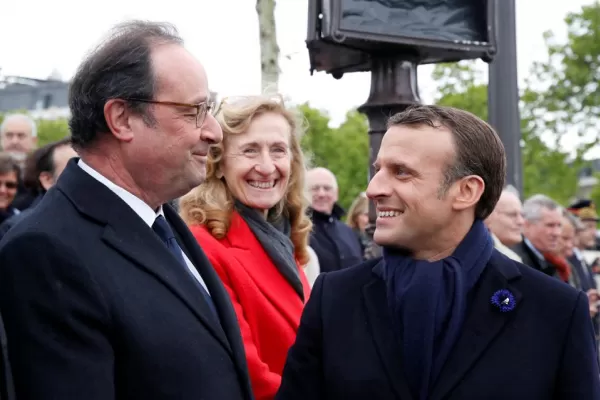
(211, 131)
(520, 220)
(377, 187)
(321, 191)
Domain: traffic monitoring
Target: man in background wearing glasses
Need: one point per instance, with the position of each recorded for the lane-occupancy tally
(108, 296)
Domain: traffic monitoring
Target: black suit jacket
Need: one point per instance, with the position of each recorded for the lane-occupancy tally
(96, 307)
(532, 260)
(543, 349)
(585, 273)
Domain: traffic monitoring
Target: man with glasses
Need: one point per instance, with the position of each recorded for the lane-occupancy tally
(506, 222)
(109, 296)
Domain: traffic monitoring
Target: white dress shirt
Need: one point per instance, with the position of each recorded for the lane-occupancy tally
(143, 210)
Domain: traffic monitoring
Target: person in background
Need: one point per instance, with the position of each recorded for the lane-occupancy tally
(104, 293)
(312, 269)
(567, 245)
(9, 182)
(250, 218)
(506, 222)
(335, 243)
(18, 137)
(572, 227)
(587, 247)
(541, 233)
(444, 315)
(358, 219)
(42, 169)
(585, 210)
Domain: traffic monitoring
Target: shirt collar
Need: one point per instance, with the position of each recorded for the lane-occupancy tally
(145, 212)
(532, 247)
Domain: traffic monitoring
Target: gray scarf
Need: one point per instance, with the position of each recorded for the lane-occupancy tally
(274, 236)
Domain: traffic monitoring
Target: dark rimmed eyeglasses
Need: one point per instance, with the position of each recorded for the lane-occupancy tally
(202, 109)
(9, 184)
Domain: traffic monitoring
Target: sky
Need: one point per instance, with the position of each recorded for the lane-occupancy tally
(223, 35)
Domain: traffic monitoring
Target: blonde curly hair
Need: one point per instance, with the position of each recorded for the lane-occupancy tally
(211, 204)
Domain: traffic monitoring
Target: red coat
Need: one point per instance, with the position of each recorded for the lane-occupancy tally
(267, 307)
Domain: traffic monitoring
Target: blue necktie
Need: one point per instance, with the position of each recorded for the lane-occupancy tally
(165, 233)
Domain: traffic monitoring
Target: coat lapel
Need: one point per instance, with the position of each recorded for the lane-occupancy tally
(387, 344)
(483, 323)
(135, 240)
(218, 294)
(127, 233)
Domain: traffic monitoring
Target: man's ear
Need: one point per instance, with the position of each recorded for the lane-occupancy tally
(117, 118)
(46, 180)
(467, 192)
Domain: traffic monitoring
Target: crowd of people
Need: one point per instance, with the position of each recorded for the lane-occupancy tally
(174, 248)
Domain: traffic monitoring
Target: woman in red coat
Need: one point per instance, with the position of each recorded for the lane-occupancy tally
(249, 216)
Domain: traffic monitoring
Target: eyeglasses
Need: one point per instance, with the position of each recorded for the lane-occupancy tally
(241, 101)
(9, 185)
(202, 109)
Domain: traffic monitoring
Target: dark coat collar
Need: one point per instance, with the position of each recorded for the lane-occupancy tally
(337, 213)
(125, 232)
(483, 323)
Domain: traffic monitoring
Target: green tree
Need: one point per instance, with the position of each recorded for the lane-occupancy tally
(343, 150)
(52, 130)
(568, 78)
(546, 169)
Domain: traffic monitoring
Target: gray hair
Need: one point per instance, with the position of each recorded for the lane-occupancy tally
(574, 220)
(19, 117)
(533, 206)
(120, 68)
(511, 189)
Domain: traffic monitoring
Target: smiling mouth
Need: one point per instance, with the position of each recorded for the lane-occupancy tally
(262, 185)
(388, 214)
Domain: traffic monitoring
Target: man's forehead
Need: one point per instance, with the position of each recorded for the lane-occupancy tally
(9, 175)
(321, 177)
(508, 200)
(177, 70)
(415, 145)
(548, 214)
(17, 126)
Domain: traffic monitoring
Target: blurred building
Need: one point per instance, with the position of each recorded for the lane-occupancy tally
(42, 98)
(588, 179)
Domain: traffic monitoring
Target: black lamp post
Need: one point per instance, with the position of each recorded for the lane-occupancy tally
(503, 92)
(391, 38)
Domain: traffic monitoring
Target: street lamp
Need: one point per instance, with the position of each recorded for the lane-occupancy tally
(391, 38)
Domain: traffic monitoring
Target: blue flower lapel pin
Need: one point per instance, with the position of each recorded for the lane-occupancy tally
(504, 300)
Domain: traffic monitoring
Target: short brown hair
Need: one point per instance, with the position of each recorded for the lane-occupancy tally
(8, 164)
(41, 160)
(479, 151)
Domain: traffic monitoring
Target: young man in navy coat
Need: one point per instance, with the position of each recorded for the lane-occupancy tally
(442, 315)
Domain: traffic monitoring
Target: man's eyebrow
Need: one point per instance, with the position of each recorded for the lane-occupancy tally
(199, 99)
